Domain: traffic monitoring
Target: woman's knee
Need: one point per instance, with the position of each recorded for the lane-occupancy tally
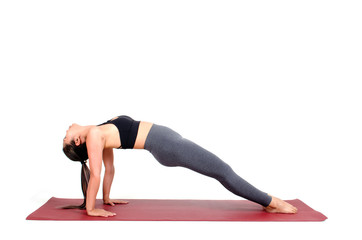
(224, 173)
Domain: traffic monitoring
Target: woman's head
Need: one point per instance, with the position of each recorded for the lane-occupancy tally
(76, 153)
(74, 145)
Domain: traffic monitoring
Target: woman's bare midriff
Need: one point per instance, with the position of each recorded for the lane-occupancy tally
(143, 130)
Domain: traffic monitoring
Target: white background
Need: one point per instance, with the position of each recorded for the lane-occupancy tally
(271, 87)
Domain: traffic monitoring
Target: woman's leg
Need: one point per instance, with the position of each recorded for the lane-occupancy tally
(170, 149)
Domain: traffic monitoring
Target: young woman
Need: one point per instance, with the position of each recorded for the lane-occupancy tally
(96, 142)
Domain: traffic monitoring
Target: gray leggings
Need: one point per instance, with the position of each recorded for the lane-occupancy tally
(172, 150)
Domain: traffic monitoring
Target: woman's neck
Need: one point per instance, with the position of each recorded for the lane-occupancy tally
(84, 132)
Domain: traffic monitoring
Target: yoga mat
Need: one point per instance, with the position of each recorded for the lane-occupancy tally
(174, 210)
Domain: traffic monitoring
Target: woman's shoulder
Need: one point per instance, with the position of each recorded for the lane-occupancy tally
(95, 132)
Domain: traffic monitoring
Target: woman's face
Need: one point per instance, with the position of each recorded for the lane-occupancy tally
(73, 133)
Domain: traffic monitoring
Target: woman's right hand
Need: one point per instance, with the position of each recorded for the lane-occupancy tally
(100, 213)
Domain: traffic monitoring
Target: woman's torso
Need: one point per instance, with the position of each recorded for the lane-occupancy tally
(124, 132)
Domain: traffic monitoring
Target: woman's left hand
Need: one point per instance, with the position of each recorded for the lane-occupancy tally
(112, 202)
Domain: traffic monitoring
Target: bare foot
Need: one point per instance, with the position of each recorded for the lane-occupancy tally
(279, 206)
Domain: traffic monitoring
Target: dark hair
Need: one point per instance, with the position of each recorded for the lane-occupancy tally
(79, 154)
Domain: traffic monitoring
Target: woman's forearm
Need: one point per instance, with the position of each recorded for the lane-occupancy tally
(92, 191)
(107, 182)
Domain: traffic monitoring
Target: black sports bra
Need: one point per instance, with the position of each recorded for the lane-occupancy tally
(127, 128)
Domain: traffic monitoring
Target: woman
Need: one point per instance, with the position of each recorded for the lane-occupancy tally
(167, 146)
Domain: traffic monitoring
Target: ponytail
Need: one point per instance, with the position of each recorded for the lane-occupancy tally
(84, 176)
(85, 180)
(79, 154)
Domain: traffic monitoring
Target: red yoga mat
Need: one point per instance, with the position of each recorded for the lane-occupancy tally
(174, 210)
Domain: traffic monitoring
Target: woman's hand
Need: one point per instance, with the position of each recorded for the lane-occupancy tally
(100, 213)
(112, 202)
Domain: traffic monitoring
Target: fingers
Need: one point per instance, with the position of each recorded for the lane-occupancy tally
(107, 214)
(100, 213)
(108, 203)
(114, 202)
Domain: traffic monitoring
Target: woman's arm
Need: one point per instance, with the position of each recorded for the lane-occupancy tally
(108, 174)
(95, 146)
(108, 177)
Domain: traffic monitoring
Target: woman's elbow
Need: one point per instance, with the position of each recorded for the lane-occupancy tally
(110, 170)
